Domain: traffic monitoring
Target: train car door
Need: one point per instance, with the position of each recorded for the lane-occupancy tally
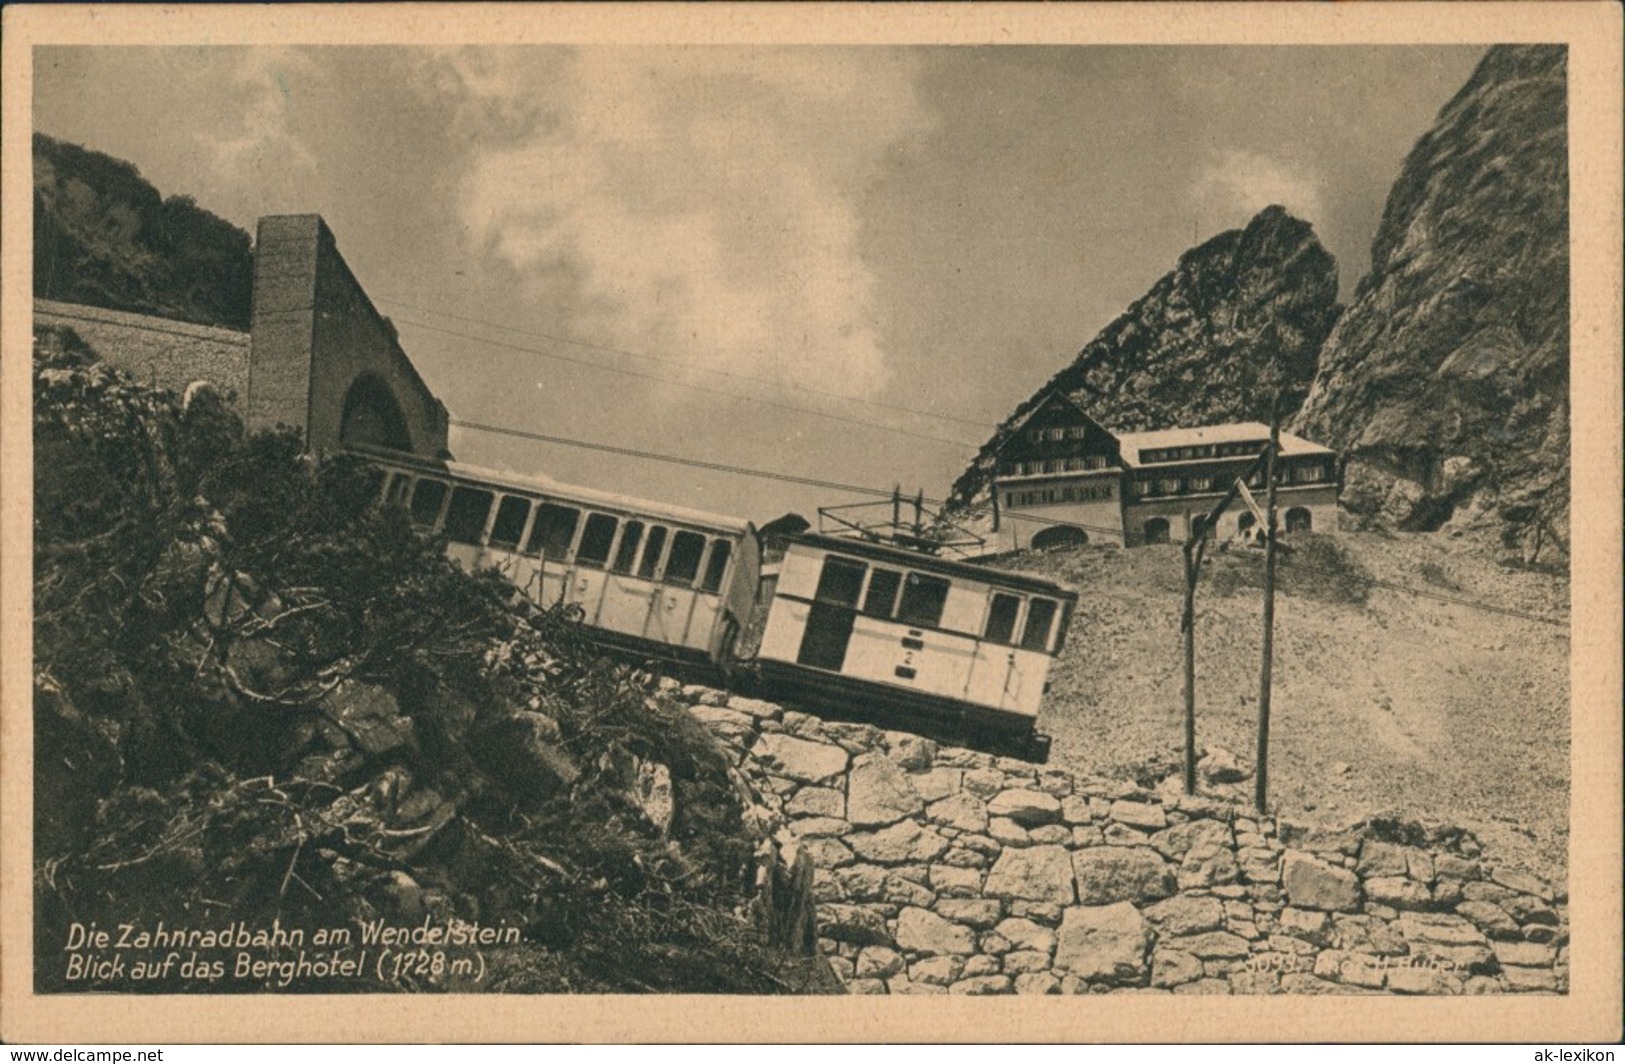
(627, 598)
(585, 580)
(995, 677)
(830, 617)
(671, 610)
(707, 612)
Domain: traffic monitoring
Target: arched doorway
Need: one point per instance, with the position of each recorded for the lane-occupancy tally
(1058, 537)
(1156, 530)
(1298, 520)
(372, 416)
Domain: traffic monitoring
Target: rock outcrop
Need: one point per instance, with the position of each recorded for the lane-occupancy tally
(1191, 350)
(1445, 383)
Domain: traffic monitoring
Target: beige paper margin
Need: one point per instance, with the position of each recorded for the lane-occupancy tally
(1590, 1012)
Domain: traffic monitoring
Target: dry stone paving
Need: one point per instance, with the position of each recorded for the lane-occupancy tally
(942, 870)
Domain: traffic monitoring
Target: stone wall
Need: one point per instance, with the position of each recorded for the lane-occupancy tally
(945, 870)
(156, 351)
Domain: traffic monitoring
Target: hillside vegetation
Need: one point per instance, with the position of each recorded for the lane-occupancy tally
(260, 698)
(104, 236)
(1384, 701)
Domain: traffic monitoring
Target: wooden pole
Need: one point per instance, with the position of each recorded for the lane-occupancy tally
(1188, 623)
(1261, 772)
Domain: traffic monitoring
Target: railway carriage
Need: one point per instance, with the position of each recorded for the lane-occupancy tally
(663, 580)
(929, 637)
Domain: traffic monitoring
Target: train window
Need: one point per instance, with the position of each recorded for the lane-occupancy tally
(1001, 618)
(510, 522)
(840, 582)
(627, 552)
(651, 552)
(882, 594)
(465, 517)
(426, 500)
(720, 550)
(554, 529)
(684, 564)
(923, 599)
(1040, 615)
(596, 539)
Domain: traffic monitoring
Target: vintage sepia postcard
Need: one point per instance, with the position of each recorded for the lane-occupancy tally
(811, 523)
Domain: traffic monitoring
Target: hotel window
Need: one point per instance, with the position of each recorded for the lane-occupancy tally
(1069, 495)
(1050, 465)
(1010, 499)
(1075, 432)
(1201, 483)
(1072, 465)
(1095, 461)
(1168, 486)
(1057, 433)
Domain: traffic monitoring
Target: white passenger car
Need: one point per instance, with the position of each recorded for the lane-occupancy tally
(917, 634)
(658, 579)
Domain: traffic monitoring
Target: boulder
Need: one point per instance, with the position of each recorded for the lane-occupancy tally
(1142, 815)
(964, 812)
(816, 801)
(1177, 841)
(1186, 914)
(1037, 983)
(903, 843)
(878, 962)
(982, 985)
(1038, 873)
(938, 783)
(1313, 884)
(860, 924)
(799, 759)
(1171, 968)
(936, 971)
(1107, 943)
(912, 752)
(1107, 874)
(1398, 892)
(922, 931)
(1025, 934)
(979, 913)
(1026, 807)
(951, 881)
(1222, 766)
(878, 792)
(1381, 859)
(1211, 946)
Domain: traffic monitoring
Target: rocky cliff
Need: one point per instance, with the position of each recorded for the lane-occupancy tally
(1192, 350)
(1445, 383)
(104, 236)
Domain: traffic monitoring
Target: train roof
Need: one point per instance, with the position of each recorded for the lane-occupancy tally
(540, 485)
(929, 563)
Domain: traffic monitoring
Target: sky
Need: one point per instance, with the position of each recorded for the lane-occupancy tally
(838, 263)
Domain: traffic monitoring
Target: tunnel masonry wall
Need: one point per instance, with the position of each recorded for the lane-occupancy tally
(946, 870)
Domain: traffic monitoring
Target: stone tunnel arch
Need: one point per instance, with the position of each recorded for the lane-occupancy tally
(1299, 520)
(373, 416)
(1156, 530)
(1059, 536)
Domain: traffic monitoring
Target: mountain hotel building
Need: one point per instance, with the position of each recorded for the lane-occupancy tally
(1062, 479)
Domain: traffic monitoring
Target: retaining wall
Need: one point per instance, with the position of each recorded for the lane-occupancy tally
(945, 870)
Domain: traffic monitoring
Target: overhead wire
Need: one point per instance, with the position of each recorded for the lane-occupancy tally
(697, 367)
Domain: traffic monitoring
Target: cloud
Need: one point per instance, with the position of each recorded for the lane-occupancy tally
(704, 201)
(1236, 184)
(261, 145)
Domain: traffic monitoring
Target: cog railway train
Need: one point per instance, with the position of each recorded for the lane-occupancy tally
(855, 627)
